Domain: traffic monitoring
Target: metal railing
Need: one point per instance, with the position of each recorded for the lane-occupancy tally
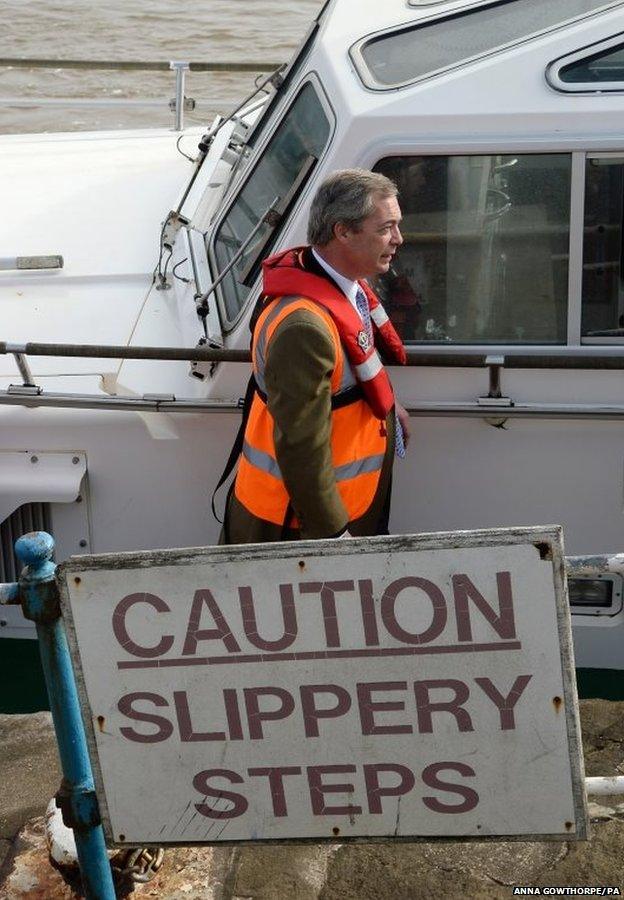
(492, 406)
(178, 104)
(443, 356)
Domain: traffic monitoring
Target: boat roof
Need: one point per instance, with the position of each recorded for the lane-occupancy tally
(395, 43)
(374, 17)
(499, 93)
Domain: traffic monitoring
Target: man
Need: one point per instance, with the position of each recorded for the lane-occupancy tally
(319, 441)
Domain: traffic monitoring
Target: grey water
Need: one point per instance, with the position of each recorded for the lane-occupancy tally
(149, 30)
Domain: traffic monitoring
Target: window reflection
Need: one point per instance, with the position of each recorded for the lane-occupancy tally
(603, 292)
(607, 66)
(485, 258)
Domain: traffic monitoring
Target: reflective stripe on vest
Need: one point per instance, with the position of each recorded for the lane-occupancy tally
(261, 460)
(266, 463)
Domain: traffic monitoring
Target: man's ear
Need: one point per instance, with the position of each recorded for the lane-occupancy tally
(341, 231)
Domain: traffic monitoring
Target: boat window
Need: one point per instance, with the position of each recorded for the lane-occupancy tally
(301, 135)
(600, 70)
(400, 57)
(485, 253)
(603, 250)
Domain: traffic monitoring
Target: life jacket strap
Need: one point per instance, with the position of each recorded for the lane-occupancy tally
(237, 446)
(338, 401)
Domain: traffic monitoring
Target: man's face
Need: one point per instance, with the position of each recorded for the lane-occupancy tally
(369, 251)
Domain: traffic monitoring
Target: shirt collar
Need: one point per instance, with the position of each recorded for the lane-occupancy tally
(349, 288)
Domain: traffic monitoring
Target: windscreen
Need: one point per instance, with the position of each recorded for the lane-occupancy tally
(303, 133)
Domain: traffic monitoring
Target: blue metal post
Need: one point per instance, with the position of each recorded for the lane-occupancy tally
(40, 603)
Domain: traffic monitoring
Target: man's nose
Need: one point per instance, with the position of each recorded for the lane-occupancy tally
(397, 237)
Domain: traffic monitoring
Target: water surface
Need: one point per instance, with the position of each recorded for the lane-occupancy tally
(195, 30)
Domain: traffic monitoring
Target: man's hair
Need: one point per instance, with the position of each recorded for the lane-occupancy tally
(347, 196)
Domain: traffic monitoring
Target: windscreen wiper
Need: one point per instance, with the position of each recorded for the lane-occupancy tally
(271, 218)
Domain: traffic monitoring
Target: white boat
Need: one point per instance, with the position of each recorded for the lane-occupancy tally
(502, 125)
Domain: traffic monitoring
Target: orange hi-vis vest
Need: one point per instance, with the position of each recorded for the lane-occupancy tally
(358, 437)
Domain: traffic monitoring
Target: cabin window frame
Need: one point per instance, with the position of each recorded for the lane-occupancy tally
(575, 343)
(553, 70)
(367, 76)
(310, 78)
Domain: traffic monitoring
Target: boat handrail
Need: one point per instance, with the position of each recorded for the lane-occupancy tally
(443, 356)
(496, 415)
(495, 407)
(178, 104)
(135, 64)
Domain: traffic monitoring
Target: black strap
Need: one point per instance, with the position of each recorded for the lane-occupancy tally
(245, 404)
(286, 527)
(344, 398)
(237, 446)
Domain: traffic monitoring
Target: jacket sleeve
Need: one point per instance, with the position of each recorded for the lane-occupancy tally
(298, 371)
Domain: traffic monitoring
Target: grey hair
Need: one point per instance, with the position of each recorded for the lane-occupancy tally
(347, 196)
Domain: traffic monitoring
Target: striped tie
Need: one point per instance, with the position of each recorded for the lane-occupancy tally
(361, 303)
